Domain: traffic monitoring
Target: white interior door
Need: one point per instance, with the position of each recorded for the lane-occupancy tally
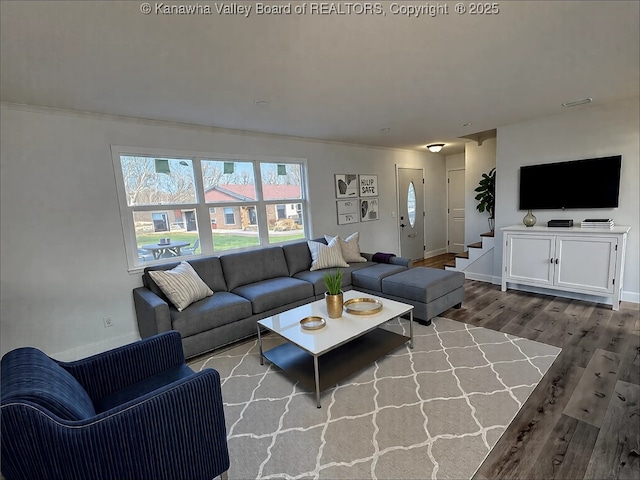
(411, 212)
(455, 211)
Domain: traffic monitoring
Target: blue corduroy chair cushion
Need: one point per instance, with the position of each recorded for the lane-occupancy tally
(143, 387)
(38, 379)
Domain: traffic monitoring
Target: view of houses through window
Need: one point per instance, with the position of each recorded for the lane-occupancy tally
(178, 207)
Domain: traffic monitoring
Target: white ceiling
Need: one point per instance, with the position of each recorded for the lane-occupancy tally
(336, 77)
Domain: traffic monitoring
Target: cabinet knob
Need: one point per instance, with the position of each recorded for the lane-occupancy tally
(551, 260)
(556, 261)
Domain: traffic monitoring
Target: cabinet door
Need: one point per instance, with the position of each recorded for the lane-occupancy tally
(586, 263)
(530, 259)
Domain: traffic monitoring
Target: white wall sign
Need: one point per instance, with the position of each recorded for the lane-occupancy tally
(347, 211)
(368, 185)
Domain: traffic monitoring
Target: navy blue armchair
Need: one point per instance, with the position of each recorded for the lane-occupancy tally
(135, 412)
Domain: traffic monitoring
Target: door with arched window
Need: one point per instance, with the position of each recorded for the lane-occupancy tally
(411, 212)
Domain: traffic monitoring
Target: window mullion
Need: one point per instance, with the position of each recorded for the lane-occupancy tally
(202, 212)
(263, 222)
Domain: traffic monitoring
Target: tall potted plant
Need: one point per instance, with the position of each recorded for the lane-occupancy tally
(486, 196)
(333, 295)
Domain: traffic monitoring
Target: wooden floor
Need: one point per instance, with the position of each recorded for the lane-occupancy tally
(436, 262)
(583, 419)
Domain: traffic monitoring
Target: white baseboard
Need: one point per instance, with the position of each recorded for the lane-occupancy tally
(633, 297)
(481, 277)
(96, 347)
(625, 296)
(435, 253)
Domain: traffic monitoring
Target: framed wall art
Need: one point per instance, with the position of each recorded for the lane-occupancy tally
(368, 209)
(348, 211)
(346, 186)
(368, 185)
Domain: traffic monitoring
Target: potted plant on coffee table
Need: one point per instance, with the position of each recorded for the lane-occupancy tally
(486, 196)
(333, 295)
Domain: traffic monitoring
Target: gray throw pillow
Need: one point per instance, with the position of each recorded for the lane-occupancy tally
(182, 285)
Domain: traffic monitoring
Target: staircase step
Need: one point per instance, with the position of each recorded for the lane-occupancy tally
(462, 255)
(475, 245)
(488, 234)
(450, 264)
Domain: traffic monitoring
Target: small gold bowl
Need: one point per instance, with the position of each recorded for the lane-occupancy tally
(312, 323)
(362, 306)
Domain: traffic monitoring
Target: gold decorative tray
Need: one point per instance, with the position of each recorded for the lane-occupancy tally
(312, 323)
(362, 306)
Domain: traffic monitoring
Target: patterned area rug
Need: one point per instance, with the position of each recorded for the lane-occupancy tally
(434, 411)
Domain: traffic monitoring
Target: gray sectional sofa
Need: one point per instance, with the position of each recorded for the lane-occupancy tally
(256, 284)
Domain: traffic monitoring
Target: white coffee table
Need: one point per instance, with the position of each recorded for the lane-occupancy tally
(321, 358)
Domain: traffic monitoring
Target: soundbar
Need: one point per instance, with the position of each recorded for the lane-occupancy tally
(560, 223)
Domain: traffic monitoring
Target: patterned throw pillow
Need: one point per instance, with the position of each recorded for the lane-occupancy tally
(326, 256)
(350, 247)
(182, 285)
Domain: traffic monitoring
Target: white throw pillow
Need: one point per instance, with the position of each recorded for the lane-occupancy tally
(326, 256)
(350, 247)
(182, 285)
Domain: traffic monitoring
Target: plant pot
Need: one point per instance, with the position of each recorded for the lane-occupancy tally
(334, 304)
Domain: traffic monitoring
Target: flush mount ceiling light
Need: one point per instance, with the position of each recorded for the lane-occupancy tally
(466, 124)
(261, 102)
(435, 147)
(385, 129)
(577, 102)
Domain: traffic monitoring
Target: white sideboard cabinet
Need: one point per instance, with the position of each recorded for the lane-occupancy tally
(573, 259)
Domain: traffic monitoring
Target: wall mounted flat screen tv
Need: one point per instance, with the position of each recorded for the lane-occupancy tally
(589, 183)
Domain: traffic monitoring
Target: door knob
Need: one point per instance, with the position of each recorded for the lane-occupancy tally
(402, 225)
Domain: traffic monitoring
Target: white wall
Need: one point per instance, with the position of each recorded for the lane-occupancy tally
(455, 162)
(584, 132)
(61, 246)
(479, 159)
(435, 204)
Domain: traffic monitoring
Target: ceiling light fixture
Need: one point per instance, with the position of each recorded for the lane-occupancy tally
(261, 102)
(577, 102)
(466, 124)
(435, 147)
(385, 129)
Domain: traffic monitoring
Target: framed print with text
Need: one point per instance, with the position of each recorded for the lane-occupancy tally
(368, 185)
(347, 211)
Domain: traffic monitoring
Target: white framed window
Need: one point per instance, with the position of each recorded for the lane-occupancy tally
(171, 199)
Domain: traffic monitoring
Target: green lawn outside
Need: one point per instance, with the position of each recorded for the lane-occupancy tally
(221, 241)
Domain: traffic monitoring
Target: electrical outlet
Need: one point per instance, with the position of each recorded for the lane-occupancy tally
(108, 322)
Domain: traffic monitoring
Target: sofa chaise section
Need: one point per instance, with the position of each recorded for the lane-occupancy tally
(430, 290)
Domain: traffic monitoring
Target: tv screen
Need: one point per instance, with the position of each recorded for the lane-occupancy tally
(589, 183)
